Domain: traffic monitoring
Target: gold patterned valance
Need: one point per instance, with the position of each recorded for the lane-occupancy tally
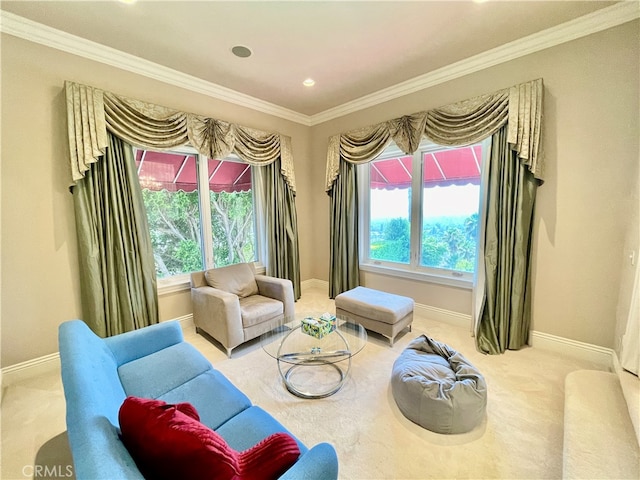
(461, 123)
(86, 127)
(91, 112)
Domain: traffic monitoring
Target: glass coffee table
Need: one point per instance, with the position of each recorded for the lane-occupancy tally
(313, 367)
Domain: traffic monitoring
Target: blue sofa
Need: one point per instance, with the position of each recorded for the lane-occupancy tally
(155, 362)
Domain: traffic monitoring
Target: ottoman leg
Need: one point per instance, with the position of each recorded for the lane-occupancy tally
(392, 339)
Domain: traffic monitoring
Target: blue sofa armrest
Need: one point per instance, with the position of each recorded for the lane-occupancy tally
(319, 463)
(93, 394)
(136, 344)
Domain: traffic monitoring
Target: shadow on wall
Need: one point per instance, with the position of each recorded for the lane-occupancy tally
(53, 460)
(547, 195)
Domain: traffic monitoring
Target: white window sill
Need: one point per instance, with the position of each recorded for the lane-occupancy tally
(419, 276)
(179, 283)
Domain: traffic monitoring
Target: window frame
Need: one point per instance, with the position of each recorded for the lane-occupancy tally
(182, 281)
(413, 270)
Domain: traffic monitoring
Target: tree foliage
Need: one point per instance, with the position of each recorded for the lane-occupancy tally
(448, 243)
(395, 244)
(174, 223)
(232, 226)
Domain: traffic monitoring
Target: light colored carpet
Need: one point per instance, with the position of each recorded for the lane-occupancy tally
(521, 437)
(588, 451)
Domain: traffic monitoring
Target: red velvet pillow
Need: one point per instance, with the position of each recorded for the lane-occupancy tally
(169, 442)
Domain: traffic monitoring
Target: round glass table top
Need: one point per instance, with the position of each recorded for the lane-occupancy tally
(314, 351)
(307, 338)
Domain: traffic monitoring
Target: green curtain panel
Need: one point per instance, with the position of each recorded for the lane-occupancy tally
(506, 314)
(117, 270)
(281, 225)
(344, 270)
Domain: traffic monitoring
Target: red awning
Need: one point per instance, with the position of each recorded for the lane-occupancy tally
(173, 172)
(458, 166)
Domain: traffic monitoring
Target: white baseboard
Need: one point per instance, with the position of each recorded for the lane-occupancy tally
(315, 283)
(573, 348)
(29, 369)
(444, 316)
(39, 366)
(616, 366)
(186, 321)
(544, 341)
(584, 351)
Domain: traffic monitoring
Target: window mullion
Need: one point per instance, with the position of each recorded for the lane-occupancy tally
(259, 227)
(205, 211)
(364, 220)
(416, 209)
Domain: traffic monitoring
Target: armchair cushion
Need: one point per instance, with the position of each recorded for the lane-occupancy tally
(238, 279)
(257, 309)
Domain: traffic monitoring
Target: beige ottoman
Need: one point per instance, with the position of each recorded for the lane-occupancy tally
(384, 313)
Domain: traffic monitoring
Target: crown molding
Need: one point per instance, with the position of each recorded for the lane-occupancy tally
(580, 27)
(597, 21)
(38, 33)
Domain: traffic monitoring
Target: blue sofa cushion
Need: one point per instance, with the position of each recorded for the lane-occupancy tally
(250, 427)
(162, 371)
(130, 346)
(215, 398)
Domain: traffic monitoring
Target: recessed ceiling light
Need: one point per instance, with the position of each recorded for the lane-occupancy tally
(309, 82)
(128, 1)
(241, 51)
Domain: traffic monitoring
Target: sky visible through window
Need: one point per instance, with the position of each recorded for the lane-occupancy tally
(450, 201)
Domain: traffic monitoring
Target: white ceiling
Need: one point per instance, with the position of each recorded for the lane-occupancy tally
(351, 49)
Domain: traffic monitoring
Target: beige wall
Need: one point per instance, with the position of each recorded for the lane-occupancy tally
(39, 253)
(582, 211)
(591, 144)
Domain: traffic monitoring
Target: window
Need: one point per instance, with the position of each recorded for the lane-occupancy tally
(419, 213)
(200, 210)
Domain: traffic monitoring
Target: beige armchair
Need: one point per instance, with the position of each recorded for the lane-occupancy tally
(234, 305)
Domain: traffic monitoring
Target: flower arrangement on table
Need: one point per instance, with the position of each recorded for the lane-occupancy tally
(319, 327)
